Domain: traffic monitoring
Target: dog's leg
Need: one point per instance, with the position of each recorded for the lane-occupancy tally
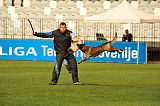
(87, 57)
(116, 49)
(83, 60)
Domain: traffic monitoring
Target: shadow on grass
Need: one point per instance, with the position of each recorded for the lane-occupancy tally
(98, 85)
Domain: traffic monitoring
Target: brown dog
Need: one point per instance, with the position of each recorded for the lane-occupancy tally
(95, 51)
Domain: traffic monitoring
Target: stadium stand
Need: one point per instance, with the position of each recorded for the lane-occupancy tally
(45, 16)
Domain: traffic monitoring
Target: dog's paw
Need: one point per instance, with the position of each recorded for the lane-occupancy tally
(120, 51)
(78, 62)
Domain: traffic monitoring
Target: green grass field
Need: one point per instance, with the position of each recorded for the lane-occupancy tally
(25, 83)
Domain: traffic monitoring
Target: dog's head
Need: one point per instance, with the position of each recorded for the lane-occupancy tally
(81, 46)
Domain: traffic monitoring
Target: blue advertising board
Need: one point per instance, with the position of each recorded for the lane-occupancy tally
(43, 50)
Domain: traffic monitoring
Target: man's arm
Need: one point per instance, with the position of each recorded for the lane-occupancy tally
(44, 34)
(131, 38)
(75, 39)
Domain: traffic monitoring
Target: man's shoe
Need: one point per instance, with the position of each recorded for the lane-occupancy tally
(69, 73)
(78, 83)
(52, 83)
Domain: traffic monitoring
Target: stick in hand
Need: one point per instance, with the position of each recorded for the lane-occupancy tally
(31, 26)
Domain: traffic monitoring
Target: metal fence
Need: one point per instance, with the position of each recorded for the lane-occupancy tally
(10, 29)
(149, 33)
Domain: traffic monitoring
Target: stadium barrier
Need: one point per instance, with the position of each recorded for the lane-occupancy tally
(143, 32)
(43, 50)
(153, 54)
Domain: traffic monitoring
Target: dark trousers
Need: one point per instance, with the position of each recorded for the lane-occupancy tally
(72, 64)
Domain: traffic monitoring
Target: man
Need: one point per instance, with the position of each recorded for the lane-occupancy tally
(127, 36)
(62, 42)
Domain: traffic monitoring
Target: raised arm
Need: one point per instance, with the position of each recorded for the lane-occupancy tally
(44, 34)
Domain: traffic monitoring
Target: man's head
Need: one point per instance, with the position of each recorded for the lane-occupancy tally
(62, 27)
(126, 31)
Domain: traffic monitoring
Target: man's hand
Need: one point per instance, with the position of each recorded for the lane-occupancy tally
(34, 33)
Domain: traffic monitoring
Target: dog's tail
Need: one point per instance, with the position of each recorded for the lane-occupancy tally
(114, 39)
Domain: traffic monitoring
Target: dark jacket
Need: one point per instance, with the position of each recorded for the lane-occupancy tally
(127, 37)
(62, 41)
